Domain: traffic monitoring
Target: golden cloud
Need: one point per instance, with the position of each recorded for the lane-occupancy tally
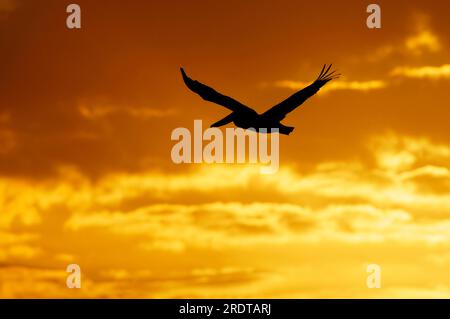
(100, 111)
(336, 85)
(345, 205)
(17, 246)
(424, 40)
(430, 72)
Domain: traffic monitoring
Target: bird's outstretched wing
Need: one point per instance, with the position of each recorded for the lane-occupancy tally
(279, 111)
(211, 95)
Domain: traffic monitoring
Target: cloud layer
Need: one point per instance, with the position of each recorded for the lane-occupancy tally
(401, 203)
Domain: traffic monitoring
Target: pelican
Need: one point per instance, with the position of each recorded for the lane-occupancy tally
(245, 117)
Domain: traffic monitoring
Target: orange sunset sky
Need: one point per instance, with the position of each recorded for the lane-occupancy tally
(86, 175)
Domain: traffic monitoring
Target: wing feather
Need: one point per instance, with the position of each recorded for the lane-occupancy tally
(209, 94)
(279, 111)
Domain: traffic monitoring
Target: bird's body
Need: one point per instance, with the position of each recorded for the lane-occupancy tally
(244, 117)
(261, 123)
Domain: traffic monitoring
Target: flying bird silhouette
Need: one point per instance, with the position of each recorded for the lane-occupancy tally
(245, 117)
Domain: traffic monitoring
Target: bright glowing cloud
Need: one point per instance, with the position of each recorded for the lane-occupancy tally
(420, 42)
(99, 111)
(338, 204)
(425, 40)
(336, 85)
(430, 72)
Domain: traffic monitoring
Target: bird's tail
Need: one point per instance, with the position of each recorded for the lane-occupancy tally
(286, 130)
